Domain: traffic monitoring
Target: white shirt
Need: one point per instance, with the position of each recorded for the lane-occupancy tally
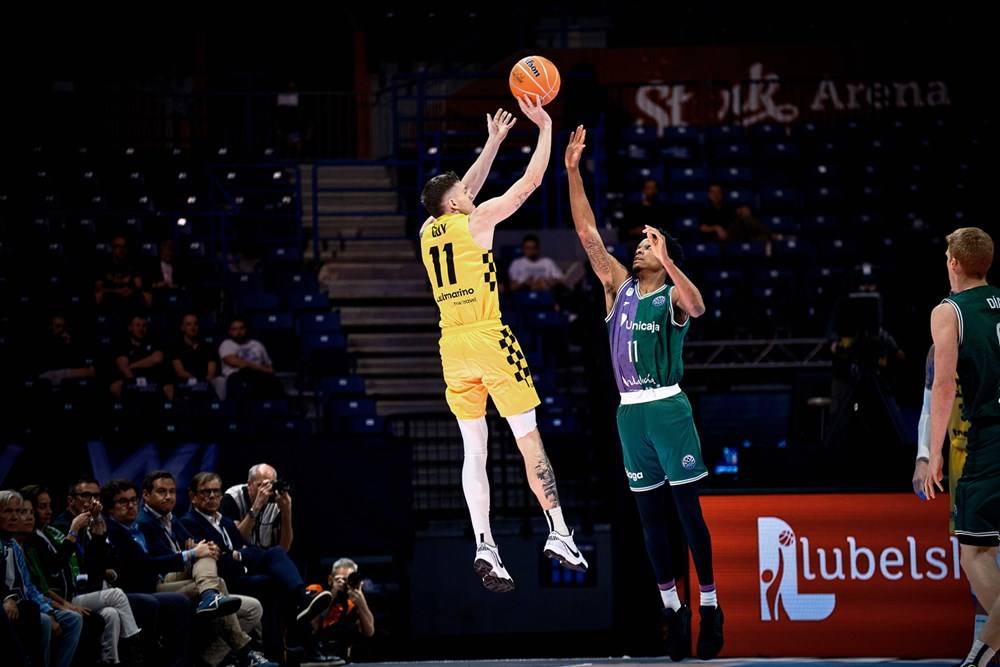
(251, 350)
(523, 270)
(216, 521)
(168, 272)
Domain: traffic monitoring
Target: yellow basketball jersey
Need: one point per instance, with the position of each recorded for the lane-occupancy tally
(463, 276)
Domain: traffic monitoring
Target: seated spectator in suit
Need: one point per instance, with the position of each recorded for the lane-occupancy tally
(348, 619)
(119, 285)
(58, 357)
(247, 367)
(164, 616)
(238, 557)
(139, 361)
(532, 271)
(715, 216)
(62, 559)
(59, 629)
(193, 362)
(262, 514)
(166, 536)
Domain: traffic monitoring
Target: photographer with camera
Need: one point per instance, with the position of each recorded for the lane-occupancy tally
(261, 508)
(348, 618)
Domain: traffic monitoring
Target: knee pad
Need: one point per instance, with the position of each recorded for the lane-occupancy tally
(522, 424)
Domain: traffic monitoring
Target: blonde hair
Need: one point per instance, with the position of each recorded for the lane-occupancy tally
(973, 248)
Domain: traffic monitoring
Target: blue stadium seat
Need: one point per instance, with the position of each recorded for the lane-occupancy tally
(725, 134)
(722, 276)
(312, 342)
(682, 134)
(747, 250)
(779, 198)
(351, 407)
(366, 424)
(308, 302)
(738, 196)
(687, 198)
(639, 134)
(733, 174)
(702, 251)
(532, 299)
(780, 224)
(346, 385)
(320, 322)
(636, 176)
(688, 176)
(732, 152)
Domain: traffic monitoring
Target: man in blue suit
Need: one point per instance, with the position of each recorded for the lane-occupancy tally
(239, 561)
(166, 536)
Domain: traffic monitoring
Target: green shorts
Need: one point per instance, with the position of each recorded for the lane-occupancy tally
(660, 443)
(977, 496)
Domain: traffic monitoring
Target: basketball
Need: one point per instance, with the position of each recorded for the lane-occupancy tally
(535, 75)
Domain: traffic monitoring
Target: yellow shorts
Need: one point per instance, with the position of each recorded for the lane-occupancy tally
(485, 358)
(956, 463)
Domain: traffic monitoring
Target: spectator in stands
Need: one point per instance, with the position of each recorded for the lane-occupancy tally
(244, 257)
(348, 619)
(119, 285)
(60, 629)
(247, 367)
(746, 228)
(532, 271)
(58, 357)
(138, 573)
(193, 362)
(262, 513)
(715, 217)
(648, 211)
(79, 500)
(140, 361)
(20, 622)
(166, 536)
(164, 275)
(88, 649)
(242, 564)
(76, 572)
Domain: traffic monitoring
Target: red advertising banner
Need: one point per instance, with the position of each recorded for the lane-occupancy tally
(838, 575)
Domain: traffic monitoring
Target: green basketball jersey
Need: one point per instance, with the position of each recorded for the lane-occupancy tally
(978, 311)
(646, 341)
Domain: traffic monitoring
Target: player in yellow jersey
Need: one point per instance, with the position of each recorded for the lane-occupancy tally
(479, 354)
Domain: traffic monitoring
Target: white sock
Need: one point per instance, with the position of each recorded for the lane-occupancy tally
(475, 481)
(670, 599)
(556, 521)
(980, 622)
(709, 599)
(980, 655)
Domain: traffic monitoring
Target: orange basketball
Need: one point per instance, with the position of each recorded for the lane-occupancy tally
(535, 75)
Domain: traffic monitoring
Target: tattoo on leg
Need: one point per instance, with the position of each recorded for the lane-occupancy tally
(543, 470)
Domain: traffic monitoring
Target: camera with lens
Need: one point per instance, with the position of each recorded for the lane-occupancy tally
(353, 580)
(279, 486)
